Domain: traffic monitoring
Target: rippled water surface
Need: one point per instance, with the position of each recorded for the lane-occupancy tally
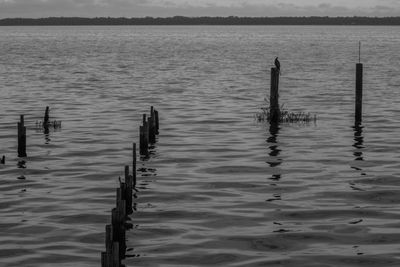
(219, 189)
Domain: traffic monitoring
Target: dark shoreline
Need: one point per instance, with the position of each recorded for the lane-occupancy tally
(181, 20)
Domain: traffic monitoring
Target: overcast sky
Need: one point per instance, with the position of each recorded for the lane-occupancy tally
(164, 8)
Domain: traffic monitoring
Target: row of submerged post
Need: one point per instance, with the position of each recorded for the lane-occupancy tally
(115, 236)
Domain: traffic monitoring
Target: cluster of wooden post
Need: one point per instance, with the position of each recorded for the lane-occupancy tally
(275, 112)
(22, 131)
(115, 241)
(148, 131)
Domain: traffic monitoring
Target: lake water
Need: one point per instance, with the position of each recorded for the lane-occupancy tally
(219, 189)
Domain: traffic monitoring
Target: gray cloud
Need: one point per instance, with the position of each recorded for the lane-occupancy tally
(141, 8)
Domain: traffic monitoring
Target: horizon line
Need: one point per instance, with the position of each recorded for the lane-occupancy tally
(204, 20)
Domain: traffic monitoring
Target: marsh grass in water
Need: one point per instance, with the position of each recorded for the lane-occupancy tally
(285, 116)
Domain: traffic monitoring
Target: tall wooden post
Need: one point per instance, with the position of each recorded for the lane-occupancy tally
(134, 165)
(152, 126)
(144, 137)
(129, 190)
(359, 89)
(156, 121)
(21, 137)
(274, 96)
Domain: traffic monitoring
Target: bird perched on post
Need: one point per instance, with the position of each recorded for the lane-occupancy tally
(278, 65)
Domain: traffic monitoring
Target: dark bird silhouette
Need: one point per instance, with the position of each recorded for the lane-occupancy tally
(3, 160)
(278, 64)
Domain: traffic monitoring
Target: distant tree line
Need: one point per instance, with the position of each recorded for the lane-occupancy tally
(181, 20)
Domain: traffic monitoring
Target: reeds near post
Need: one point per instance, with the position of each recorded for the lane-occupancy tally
(21, 137)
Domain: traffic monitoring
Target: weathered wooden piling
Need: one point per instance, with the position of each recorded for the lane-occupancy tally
(109, 238)
(118, 229)
(134, 165)
(359, 93)
(128, 190)
(274, 96)
(152, 126)
(156, 121)
(106, 257)
(111, 259)
(3, 160)
(21, 138)
(121, 214)
(46, 118)
(144, 137)
(116, 252)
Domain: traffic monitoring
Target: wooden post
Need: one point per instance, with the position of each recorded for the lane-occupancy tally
(21, 138)
(144, 119)
(104, 259)
(121, 202)
(144, 137)
(359, 89)
(128, 190)
(115, 224)
(109, 238)
(152, 126)
(46, 121)
(134, 165)
(115, 255)
(121, 215)
(46, 118)
(156, 120)
(274, 96)
(141, 140)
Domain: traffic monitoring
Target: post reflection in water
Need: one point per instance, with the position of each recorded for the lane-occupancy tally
(358, 141)
(358, 147)
(46, 134)
(274, 159)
